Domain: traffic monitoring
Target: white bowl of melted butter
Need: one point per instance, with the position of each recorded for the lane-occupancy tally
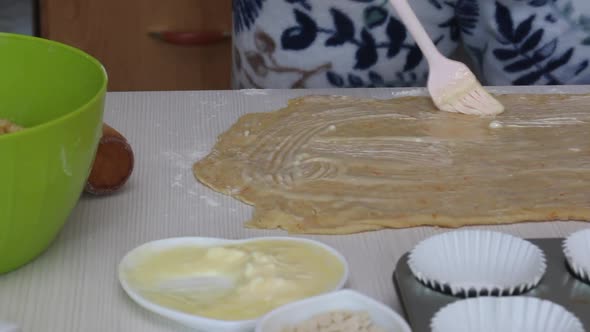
(267, 272)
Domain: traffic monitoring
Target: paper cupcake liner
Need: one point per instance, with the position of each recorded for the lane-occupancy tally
(477, 263)
(576, 249)
(506, 314)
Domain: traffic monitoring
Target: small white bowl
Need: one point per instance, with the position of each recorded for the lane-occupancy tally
(194, 321)
(8, 327)
(300, 311)
(506, 314)
(577, 252)
(477, 263)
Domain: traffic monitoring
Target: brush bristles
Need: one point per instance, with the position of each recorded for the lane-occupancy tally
(474, 101)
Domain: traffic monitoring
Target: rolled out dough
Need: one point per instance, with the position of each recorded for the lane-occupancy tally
(337, 165)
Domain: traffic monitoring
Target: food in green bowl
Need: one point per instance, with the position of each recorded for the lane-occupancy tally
(7, 127)
(56, 94)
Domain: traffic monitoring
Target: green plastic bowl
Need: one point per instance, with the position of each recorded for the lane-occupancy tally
(57, 93)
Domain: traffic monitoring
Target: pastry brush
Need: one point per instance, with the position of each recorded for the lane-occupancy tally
(452, 86)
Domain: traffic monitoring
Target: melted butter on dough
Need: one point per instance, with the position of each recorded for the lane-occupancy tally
(336, 165)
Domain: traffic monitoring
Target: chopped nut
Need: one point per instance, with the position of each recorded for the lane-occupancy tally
(337, 321)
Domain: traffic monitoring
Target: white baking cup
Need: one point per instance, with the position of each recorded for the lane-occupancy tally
(478, 263)
(576, 248)
(505, 314)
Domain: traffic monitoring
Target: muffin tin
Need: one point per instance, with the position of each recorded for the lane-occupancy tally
(559, 285)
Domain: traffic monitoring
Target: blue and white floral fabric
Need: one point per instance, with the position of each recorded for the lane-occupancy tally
(527, 42)
(362, 43)
(333, 43)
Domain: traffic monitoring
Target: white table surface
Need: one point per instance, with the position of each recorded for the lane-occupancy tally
(73, 285)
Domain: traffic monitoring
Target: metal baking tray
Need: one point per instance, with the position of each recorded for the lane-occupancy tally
(420, 302)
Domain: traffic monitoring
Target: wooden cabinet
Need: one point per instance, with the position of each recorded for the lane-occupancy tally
(117, 32)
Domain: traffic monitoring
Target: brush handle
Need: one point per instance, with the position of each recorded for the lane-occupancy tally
(410, 20)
